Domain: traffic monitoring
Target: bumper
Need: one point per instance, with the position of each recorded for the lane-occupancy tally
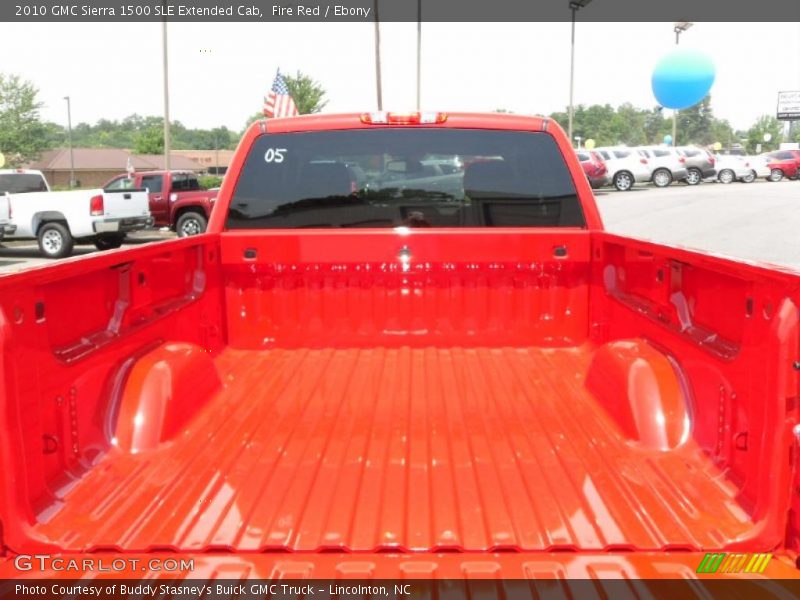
(709, 172)
(679, 174)
(122, 225)
(598, 182)
(7, 229)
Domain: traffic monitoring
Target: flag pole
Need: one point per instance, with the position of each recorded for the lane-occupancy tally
(378, 58)
(419, 51)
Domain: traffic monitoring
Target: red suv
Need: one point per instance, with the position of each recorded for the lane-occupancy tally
(783, 163)
(594, 167)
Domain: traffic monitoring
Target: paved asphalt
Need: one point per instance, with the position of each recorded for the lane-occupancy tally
(758, 221)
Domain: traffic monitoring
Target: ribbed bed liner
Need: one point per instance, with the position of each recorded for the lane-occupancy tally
(414, 449)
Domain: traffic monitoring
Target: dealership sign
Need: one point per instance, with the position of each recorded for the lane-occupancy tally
(788, 106)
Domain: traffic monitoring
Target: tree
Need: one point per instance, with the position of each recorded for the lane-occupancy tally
(252, 119)
(22, 135)
(723, 133)
(308, 95)
(656, 125)
(149, 141)
(695, 124)
(755, 135)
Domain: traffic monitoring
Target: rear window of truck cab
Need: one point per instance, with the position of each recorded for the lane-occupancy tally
(22, 183)
(415, 177)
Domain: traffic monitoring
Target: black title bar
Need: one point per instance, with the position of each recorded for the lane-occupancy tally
(398, 10)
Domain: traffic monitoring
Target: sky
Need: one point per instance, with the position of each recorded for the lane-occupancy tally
(220, 72)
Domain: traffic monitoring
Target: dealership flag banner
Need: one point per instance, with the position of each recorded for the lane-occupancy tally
(278, 102)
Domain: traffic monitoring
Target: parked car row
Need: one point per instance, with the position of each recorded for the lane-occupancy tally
(623, 167)
(103, 217)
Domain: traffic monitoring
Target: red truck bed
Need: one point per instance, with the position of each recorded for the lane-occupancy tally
(416, 449)
(478, 388)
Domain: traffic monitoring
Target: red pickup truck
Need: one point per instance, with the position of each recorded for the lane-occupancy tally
(176, 199)
(368, 368)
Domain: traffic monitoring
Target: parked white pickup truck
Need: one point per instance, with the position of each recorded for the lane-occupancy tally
(59, 220)
(5, 217)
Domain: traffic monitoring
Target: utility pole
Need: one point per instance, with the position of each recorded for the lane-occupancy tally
(419, 51)
(679, 28)
(378, 58)
(69, 143)
(574, 6)
(166, 96)
(216, 155)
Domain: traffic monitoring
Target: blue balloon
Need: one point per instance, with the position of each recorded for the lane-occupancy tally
(682, 78)
(668, 139)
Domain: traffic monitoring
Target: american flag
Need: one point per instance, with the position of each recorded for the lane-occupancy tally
(278, 102)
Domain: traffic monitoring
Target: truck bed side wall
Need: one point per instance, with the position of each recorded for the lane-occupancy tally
(67, 336)
(732, 329)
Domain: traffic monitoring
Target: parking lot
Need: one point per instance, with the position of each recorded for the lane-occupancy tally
(758, 221)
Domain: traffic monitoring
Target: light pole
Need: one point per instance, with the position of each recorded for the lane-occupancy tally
(419, 50)
(165, 60)
(69, 143)
(574, 6)
(379, 86)
(679, 28)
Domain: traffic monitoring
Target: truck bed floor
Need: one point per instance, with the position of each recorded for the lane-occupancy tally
(414, 449)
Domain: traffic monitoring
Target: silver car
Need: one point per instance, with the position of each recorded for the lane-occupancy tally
(625, 167)
(700, 164)
(667, 164)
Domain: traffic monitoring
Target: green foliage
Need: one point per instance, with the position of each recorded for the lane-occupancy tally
(609, 126)
(633, 126)
(722, 132)
(796, 132)
(755, 135)
(209, 181)
(22, 135)
(252, 119)
(695, 124)
(149, 141)
(308, 95)
(124, 134)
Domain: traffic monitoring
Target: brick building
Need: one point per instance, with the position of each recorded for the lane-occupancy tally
(214, 162)
(95, 166)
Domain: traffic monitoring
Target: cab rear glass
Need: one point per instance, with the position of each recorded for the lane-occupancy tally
(22, 183)
(415, 177)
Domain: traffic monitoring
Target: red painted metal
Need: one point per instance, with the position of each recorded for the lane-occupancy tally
(368, 403)
(455, 433)
(642, 391)
(163, 390)
(487, 287)
(592, 568)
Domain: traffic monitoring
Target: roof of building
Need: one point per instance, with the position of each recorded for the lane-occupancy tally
(176, 162)
(208, 158)
(109, 159)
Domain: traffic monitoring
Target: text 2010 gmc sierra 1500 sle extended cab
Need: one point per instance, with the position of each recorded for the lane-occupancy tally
(372, 366)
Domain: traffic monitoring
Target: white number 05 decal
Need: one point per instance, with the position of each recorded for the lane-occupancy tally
(274, 155)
